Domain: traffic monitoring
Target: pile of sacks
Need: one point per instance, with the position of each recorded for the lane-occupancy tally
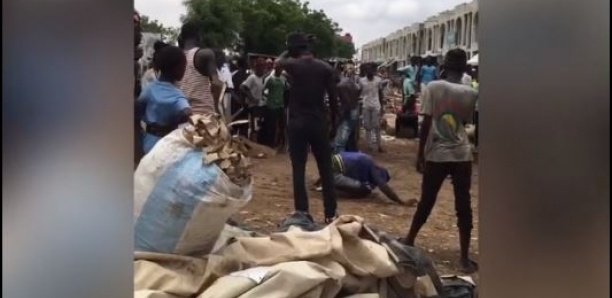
(185, 190)
(345, 259)
(333, 262)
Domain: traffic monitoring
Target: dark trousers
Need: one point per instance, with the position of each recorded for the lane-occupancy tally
(409, 120)
(273, 124)
(433, 177)
(305, 133)
(255, 116)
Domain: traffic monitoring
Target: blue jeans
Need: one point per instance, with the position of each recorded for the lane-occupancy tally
(344, 130)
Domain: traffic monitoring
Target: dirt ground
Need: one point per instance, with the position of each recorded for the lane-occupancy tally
(273, 201)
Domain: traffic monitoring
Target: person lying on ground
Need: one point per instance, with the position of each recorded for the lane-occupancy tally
(162, 106)
(357, 175)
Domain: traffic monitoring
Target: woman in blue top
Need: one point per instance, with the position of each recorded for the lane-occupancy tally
(162, 106)
(428, 71)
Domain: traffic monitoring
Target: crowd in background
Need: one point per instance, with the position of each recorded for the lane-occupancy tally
(300, 104)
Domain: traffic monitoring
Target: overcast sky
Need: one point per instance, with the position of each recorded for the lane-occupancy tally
(364, 19)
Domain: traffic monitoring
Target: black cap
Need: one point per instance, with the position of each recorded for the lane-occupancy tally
(297, 40)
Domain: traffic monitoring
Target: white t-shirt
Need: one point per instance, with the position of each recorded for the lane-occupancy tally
(226, 76)
(466, 79)
(370, 92)
(256, 86)
(450, 105)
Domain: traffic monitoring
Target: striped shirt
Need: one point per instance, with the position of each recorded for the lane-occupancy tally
(196, 87)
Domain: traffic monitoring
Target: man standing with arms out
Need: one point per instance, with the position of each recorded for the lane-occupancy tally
(200, 72)
(275, 89)
(372, 92)
(348, 93)
(310, 80)
(253, 88)
(444, 149)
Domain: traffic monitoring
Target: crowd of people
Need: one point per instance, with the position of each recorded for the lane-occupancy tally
(303, 104)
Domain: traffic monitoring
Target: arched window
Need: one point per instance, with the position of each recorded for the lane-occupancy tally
(476, 27)
(442, 35)
(470, 25)
(458, 32)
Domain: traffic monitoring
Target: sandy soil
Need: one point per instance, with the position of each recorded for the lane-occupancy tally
(273, 201)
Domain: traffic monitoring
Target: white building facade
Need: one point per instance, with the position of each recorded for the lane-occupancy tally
(454, 28)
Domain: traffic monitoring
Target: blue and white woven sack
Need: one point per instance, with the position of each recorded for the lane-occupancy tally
(181, 204)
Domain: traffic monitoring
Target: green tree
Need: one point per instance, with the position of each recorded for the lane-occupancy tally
(152, 26)
(262, 26)
(220, 20)
(345, 49)
(169, 34)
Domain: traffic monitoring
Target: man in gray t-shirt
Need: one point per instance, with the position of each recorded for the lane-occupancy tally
(444, 150)
(371, 91)
(450, 106)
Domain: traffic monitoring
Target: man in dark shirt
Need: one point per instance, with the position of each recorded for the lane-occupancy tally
(310, 80)
(348, 93)
(238, 101)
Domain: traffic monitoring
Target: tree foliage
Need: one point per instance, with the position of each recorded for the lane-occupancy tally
(169, 34)
(220, 21)
(261, 26)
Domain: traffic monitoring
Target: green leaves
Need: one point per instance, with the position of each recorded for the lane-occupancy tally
(261, 26)
(153, 26)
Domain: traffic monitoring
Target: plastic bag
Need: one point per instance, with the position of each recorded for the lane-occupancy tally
(181, 204)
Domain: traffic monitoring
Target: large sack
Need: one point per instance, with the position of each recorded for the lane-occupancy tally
(339, 241)
(300, 279)
(181, 204)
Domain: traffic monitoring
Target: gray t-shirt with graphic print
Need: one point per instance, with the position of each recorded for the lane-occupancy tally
(451, 106)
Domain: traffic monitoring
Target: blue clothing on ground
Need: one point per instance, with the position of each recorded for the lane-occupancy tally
(360, 166)
(164, 104)
(428, 74)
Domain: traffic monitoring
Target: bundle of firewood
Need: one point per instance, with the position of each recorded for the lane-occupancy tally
(211, 134)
